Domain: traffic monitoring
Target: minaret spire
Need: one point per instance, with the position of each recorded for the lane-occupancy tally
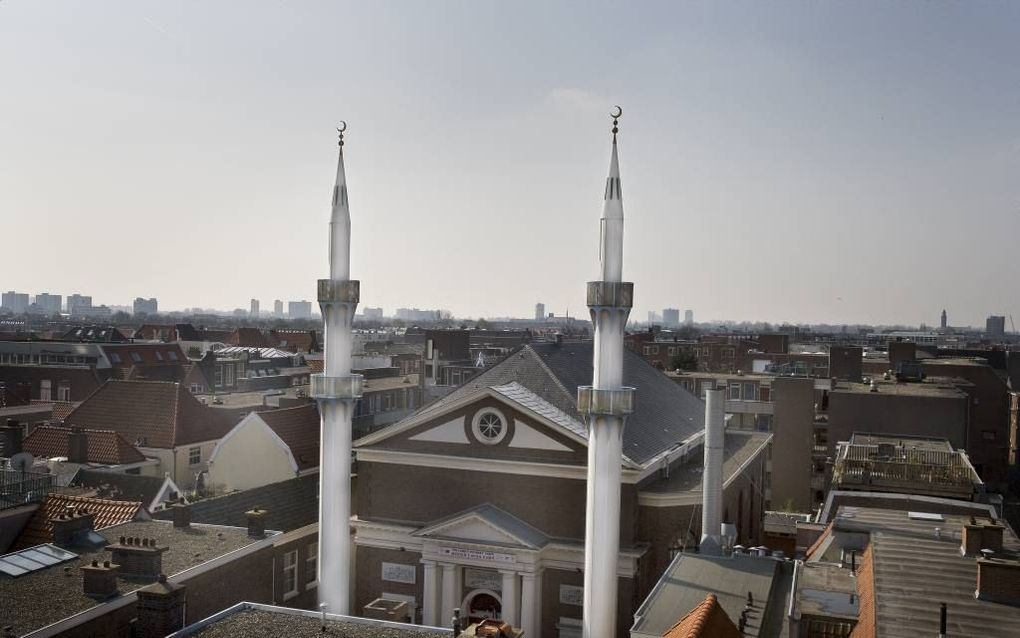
(606, 404)
(337, 391)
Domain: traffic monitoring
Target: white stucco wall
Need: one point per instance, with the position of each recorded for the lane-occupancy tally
(249, 456)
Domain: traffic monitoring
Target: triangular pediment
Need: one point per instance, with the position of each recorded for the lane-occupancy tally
(485, 525)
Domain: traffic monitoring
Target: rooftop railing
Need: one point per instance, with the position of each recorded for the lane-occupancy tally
(20, 488)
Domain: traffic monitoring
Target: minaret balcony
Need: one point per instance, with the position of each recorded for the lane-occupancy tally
(610, 294)
(593, 401)
(333, 291)
(345, 388)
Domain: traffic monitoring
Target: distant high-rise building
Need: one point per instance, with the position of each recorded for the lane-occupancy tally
(145, 306)
(413, 314)
(79, 304)
(254, 308)
(688, 317)
(374, 314)
(540, 312)
(995, 326)
(653, 317)
(49, 304)
(277, 308)
(671, 317)
(299, 309)
(944, 320)
(16, 302)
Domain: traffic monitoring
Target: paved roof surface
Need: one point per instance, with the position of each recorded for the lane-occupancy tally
(664, 415)
(159, 414)
(257, 623)
(105, 447)
(290, 504)
(690, 577)
(107, 514)
(707, 620)
(298, 427)
(49, 595)
(913, 571)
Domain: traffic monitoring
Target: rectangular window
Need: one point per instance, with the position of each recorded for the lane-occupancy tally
(45, 390)
(171, 355)
(312, 565)
(749, 392)
(763, 393)
(194, 388)
(219, 376)
(137, 358)
(159, 357)
(114, 357)
(64, 391)
(194, 455)
(290, 582)
(230, 375)
(735, 391)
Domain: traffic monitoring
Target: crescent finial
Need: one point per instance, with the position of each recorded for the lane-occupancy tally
(618, 113)
(340, 132)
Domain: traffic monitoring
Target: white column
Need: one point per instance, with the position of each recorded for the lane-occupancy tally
(430, 594)
(450, 594)
(509, 596)
(531, 604)
(712, 474)
(602, 529)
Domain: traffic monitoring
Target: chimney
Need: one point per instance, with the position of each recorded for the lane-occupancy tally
(139, 557)
(942, 620)
(71, 526)
(11, 439)
(160, 609)
(77, 445)
(256, 522)
(981, 535)
(712, 480)
(998, 580)
(99, 580)
(182, 515)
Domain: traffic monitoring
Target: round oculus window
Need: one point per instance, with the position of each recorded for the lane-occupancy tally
(489, 426)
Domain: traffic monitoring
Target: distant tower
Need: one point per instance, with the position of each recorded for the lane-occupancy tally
(254, 308)
(540, 312)
(688, 317)
(337, 391)
(943, 318)
(277, 308)
(605, 405)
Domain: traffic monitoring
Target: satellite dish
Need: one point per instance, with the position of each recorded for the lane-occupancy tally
(21, 462)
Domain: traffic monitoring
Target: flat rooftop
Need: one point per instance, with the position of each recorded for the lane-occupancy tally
(48, 595)
(263, 621)
(927, 443)
(941, 389)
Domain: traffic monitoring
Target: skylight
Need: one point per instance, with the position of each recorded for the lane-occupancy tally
(925, 516)
(33, 559)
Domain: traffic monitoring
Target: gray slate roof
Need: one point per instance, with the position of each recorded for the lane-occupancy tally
(665, 414)
(290, 504)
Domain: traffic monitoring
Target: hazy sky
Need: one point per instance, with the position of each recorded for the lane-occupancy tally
(840, 162)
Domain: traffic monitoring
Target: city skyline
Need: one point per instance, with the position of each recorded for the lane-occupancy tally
(873, 142)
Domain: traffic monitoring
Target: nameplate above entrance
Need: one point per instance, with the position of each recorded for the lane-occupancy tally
(476, 554)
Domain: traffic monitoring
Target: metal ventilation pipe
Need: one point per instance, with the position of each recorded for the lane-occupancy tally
(712, 479)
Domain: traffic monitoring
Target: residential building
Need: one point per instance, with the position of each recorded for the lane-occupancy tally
(671, 317)
(372, 314)
(540, 312)
(162, 419)
(414, 315)
(145, 306)
(254, 311)
(501, 463)
(14, 302)
(48, 303)
(995, 326)
(286, 442)
(51, 382)
(78, 305)
(155, 493)
(277, 308)
(299, 309)
(688, 317)
(95, 334)
(65, 450)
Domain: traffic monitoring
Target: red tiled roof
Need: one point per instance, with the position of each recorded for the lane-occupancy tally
(298, 427)
(104, 446)
(160, 414)
(249, 337)
(707, 620)
(317, 365)
(866, 615)
(294, 340)
(61, 409)
(107, 514)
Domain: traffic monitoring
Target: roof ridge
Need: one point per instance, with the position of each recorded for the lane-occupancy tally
(551, 373)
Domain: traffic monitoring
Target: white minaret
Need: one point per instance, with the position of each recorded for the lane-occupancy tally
(336, 391)
(606, 403)
(712, 474)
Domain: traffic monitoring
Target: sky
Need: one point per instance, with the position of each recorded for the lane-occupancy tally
(800, 161)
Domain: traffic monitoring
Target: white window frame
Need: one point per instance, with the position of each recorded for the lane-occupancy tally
(312, 566)
(476, 426)
(290, 563)
(45, 390)
(63, 391)
(192, 453)
(733, 392)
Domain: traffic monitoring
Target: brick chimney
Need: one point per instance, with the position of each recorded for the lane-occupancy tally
(160, 609)
(182, 515)
(138, 557)
(99, 580)
(70, 526)
(978, 535)
(77, 445)
(256, 522)
(998, 580)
